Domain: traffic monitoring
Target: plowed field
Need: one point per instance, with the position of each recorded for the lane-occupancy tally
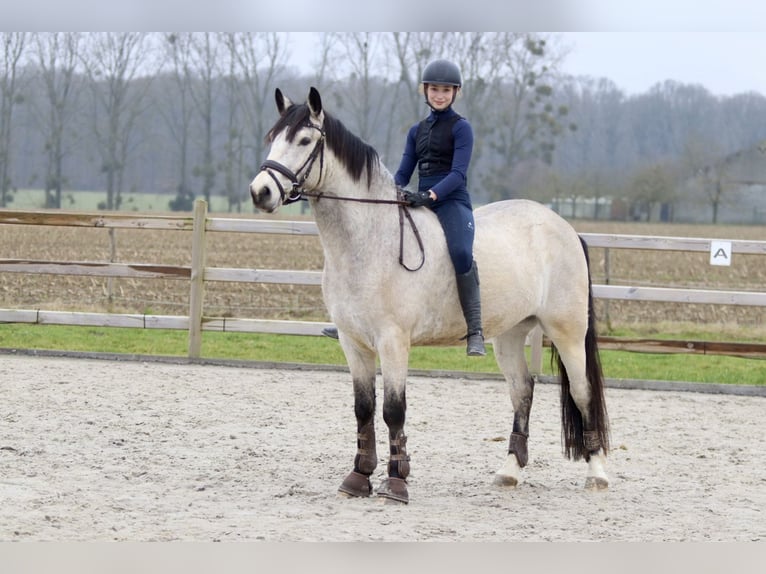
(259, 251)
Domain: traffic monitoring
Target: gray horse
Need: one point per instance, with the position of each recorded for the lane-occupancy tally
(388, 284)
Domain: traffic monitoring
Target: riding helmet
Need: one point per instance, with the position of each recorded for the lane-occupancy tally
(442, 73)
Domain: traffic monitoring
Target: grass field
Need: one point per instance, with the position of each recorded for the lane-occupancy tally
(271, 301)
(324, 351)
(32, 199)
(80, 200)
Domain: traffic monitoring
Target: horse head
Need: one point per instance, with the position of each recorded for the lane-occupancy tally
(296, 156)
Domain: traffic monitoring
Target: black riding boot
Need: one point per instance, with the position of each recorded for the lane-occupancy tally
(470, 301)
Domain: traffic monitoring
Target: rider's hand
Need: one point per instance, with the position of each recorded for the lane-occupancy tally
(418, 198)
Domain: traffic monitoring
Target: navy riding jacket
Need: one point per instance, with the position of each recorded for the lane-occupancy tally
(450, 184)
(444, 169)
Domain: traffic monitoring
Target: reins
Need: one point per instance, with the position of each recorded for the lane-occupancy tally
(297, 193)
(403, 213)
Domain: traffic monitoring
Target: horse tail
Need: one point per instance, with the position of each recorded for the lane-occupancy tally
(572, 427)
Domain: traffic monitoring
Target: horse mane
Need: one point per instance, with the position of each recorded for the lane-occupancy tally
(354, 154)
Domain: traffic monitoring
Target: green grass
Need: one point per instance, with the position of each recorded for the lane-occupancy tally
(321, 350)
(89, 200)
(79, 200)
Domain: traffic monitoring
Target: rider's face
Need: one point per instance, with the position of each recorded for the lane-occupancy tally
(440, 97)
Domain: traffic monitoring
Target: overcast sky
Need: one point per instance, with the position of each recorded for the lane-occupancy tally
(725, 63)
(720, 44)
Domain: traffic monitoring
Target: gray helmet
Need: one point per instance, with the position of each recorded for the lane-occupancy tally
(442, 73)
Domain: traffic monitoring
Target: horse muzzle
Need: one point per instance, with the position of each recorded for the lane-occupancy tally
(264, 193)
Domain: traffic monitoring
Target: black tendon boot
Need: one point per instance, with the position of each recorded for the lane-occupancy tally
(470, 301)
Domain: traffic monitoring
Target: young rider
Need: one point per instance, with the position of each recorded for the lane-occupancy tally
(440, 147)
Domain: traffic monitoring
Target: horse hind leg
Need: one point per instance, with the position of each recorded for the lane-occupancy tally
(585, 431)
(509, 352)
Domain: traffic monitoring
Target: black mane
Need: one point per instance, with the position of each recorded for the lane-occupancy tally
(355, 155)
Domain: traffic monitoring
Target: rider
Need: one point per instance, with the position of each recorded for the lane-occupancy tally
(440, 147)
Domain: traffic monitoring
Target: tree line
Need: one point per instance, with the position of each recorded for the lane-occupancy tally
(186, 113)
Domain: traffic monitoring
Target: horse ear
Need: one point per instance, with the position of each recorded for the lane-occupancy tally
(315, 102)
(283, 102)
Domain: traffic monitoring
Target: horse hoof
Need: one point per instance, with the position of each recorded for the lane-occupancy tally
(393, 490)
(355, 485)
(505, 480)
(595, 483)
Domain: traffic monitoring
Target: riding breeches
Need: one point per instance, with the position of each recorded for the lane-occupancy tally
(457, 222)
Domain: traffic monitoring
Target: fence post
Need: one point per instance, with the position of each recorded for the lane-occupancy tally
(197, 279)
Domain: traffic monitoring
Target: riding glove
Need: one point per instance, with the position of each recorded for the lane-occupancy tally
(418, 198)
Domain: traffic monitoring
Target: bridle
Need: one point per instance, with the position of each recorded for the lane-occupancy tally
(301, 175)
(297, 192)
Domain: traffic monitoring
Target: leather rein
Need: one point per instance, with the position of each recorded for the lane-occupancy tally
(298, 193)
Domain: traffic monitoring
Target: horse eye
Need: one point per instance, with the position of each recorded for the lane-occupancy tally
(305, 141)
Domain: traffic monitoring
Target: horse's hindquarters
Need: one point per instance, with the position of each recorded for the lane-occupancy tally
(531, 264)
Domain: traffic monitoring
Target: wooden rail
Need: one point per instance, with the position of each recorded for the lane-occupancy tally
(199, 224)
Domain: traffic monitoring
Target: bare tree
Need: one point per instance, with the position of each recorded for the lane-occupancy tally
(178, 112)
(651, 185)
(516, 70)
(323, 62)
(413, 51)
(714, 185)
(365, 58)
(382, 73)
(506, 96)
(12, 45)
(117, 65)
(410, 53)
(259, 59)
(231, 165)
(704, 161)
(204, 53)
(57, 57)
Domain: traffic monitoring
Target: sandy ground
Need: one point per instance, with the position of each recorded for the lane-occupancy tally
(95, 450)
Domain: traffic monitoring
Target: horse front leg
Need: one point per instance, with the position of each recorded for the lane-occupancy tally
(357, 483)
(394, 488)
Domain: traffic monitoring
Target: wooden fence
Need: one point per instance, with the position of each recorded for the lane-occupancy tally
(200, 224)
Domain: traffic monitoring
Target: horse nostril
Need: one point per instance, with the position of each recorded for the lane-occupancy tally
(258, 194)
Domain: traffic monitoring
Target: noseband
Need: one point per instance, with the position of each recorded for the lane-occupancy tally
(298, 179)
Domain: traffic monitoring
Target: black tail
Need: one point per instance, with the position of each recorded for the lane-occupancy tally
(572, 427)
